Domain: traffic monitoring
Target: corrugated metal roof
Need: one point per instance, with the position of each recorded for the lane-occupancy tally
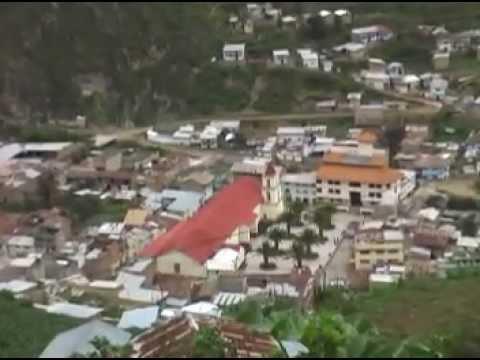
(139, 318)
(77, 340)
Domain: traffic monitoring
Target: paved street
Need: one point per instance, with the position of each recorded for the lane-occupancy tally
(337, 268)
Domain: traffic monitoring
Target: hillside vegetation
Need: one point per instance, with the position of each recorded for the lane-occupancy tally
(26, 331)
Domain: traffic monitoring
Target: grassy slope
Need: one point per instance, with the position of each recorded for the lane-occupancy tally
(421, 309)
(25, 331)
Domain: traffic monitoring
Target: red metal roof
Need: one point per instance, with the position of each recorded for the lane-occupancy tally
(205, 232)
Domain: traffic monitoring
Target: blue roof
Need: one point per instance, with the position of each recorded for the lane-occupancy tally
(77, 340)
(181, 201)
(139, 318)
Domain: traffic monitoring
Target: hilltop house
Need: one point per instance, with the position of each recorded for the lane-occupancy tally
(281, 57)
(369, 34)
(344, 15)
(327, 17)
(308, 58)
(234, 53)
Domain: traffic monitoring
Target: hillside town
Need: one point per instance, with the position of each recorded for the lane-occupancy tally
(146, 236)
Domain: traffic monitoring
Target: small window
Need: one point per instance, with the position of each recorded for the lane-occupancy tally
(364, 252)
(393, 251)
(354, 184)
(371, 194)
(389, 186)
(379, 195)
(337, 191)
(176, 268)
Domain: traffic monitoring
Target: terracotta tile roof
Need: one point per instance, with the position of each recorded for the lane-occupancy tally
(175, 339)
(368, 136)
(205, 232)
(360, 174)
(430, 238)
(8, 223)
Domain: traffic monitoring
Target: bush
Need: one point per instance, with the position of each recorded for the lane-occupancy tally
(463, 203)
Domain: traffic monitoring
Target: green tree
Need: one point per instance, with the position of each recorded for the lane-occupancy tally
(322, 217)
(209, 343)
(297, 208)
(308, 238)
(266, 253)
(289, 218)
(477, 185)
(469, 226)
(298, 253)
(104, 349)
(276, 235)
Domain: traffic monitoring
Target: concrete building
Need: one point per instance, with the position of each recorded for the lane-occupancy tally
(308, 59)
(301, 187)
(426, 166)
(344, 16)
(328, 18)
(441, 61)
(294, 135)
(289, 22)
(377, 66)
(355, 51)
(359, 176)
(369, 115)
(395, 69)
(281, 57)
(20, 246)
(437, 88)
(371, 34)
(378, 247)
(376, 80)
(109, 160)
(234, 53)
(408, 84)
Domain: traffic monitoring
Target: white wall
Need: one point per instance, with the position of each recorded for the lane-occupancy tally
(344, 190)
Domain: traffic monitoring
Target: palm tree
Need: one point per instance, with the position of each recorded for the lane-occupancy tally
(289, 218)
(308, 239)
(296, 208)
(322, 217)
(298, 253)
(266, 251)
(276, 235)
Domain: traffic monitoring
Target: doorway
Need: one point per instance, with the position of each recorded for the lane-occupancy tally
(355, 198)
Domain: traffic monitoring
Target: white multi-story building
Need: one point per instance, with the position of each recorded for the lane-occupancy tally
(360, 176)
(299, 187)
